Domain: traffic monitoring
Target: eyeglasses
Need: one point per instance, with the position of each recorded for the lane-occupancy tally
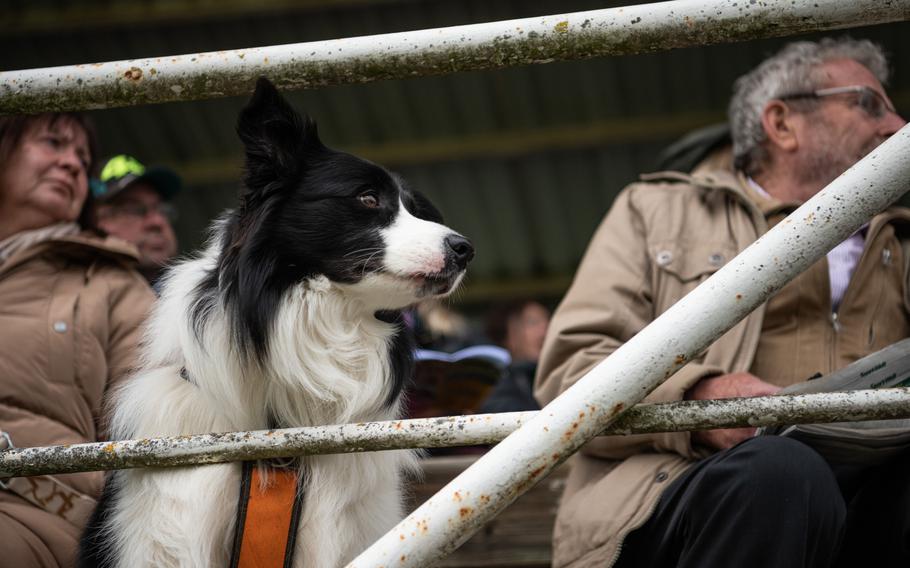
(141, 210)
(871, 101)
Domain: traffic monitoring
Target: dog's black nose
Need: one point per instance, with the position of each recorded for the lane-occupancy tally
(459, 249)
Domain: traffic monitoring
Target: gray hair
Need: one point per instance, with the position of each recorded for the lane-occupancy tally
(794, 69)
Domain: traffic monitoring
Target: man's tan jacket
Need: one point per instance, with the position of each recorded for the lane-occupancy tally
(662, 237)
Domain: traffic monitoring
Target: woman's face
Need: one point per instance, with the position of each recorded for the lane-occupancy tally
(46, 178)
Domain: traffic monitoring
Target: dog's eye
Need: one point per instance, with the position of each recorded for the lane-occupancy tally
(369, 199)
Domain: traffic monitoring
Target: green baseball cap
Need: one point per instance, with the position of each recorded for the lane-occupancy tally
(122, 171)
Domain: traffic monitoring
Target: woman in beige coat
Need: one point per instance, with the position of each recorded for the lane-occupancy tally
(71, 306)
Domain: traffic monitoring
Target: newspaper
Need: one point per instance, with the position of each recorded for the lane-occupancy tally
(868, 442)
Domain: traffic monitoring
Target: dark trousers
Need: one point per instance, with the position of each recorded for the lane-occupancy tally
(772, 502)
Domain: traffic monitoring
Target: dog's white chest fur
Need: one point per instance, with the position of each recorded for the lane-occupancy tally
(329, 365)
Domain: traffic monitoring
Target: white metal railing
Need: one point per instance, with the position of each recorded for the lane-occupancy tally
(446, 431)
(614, 31)
(543, 441)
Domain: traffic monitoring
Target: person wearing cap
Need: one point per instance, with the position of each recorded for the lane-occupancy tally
(134, 204)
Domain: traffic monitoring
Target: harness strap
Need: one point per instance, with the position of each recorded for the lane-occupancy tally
(268, 516)
(268, 512)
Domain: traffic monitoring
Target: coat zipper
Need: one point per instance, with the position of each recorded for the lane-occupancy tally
(832, 352)
(871, 235)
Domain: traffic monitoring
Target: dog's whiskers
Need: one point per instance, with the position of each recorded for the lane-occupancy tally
(367, 262)
(370, 251)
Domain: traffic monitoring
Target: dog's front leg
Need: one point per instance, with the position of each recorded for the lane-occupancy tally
(180, 518)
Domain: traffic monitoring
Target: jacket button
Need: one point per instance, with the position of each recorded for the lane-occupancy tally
(664, 257)
(886, 257)
(60, 326)
(661, 477)
(716, 259)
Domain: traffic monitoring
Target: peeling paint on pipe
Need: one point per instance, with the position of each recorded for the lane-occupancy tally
(616, 31)
(645, 361)
(445, 432)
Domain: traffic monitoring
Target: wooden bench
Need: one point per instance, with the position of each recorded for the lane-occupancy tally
(519, 537)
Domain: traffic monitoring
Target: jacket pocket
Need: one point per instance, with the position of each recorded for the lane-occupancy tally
(679, 266)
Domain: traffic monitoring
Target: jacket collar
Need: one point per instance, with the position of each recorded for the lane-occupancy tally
(25, 239)
(86, 244)
(767, 204)
(771, 205)
(715, 173)
(711, 174)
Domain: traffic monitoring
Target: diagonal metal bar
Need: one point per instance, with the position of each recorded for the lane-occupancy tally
(443, 522)
(445, 432)
(614, 31)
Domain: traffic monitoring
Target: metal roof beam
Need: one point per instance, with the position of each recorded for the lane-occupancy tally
(614, 31)
(488, 146)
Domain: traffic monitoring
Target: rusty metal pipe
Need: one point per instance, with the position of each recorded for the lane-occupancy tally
(615, 31)
(445, 432)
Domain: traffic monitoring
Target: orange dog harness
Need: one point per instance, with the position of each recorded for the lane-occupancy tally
(268, 515)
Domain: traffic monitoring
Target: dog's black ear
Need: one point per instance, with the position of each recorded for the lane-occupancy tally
(275, 137)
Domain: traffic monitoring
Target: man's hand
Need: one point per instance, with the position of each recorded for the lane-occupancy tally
(733, 385)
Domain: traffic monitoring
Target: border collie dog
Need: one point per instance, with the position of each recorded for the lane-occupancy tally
(290, 317)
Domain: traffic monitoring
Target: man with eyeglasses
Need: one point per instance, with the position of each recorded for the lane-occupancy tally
(723, 498)
(133, 203)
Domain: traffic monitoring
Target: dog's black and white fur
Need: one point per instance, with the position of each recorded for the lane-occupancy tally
(289, 318)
